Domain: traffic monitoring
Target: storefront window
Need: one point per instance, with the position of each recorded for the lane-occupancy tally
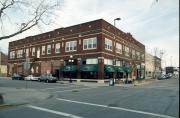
(108, 61)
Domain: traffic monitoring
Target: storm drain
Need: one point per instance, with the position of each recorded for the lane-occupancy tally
(1, 99)
(75, 91)
(112, 105)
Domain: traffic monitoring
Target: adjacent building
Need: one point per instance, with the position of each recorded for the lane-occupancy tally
(3, 64)
(92, 50)
(153, 66)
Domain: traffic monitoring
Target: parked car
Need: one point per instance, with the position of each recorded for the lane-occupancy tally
(47, 78)
(162, 77)
(17, 77)
(32, 78)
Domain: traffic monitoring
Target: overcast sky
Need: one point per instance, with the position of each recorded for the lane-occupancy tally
(155, 24)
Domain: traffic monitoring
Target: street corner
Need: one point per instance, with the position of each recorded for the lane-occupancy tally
(24, 96)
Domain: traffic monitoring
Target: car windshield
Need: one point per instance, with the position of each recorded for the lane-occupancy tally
(49, 75)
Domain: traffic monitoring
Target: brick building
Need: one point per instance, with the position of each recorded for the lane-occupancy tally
(98, 50)
(3, 64)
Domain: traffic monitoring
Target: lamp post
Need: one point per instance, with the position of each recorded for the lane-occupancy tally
(71, 61)
(115, 43)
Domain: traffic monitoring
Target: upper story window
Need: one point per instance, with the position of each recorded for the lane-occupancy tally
(126, 49)
(92, 61)
(138, 55)
(133, 54)
(12, 54)
(57, 47)
(48, 49)
(108, 44)
(90, 43)
(19, 53)
(71, 46)
(38, 52)
(43, 50)
(142, 57)
(108, 61)
(33, 51)
(119, 48)
(27, 52)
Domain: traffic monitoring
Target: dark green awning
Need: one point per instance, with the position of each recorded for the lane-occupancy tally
(127, 69)
(89, 68)
(119, 69)
(109, 69)
(69, 68)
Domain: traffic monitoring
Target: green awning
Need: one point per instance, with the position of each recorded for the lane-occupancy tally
(69, 68)
(109, 69)
(89, 68)
(127, 69)
(119, 69)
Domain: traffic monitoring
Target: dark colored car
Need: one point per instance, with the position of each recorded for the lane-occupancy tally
(168, 76)
(162, 77)
(47, 78)
(17, 77)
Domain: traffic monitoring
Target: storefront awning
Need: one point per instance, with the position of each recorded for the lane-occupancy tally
(89, 68)
(127, 69)
(69, 68)
(119, 69)
(109, 69)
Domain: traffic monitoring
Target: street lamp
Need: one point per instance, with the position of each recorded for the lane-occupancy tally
(116, 19)
(71, 61)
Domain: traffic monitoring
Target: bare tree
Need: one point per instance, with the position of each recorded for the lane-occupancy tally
(22, 15)
(157, 54)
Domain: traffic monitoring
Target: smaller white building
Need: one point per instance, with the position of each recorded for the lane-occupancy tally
(152, 66)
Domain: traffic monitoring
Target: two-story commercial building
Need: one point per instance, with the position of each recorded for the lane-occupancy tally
(94, 50)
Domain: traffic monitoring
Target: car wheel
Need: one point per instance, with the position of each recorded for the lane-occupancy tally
(47, 81)
(39, 80)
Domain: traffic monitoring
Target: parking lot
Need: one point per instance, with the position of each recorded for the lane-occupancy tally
(155, 100)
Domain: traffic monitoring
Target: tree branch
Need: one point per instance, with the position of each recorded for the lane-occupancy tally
(42, 10)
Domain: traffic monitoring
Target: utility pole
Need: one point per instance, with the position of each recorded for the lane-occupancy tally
(116, 19)
(161, 56)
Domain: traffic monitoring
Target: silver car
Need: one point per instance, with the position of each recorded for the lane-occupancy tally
(47, 78)
(32, 78)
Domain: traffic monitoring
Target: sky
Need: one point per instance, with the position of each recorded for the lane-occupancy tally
(155, 23)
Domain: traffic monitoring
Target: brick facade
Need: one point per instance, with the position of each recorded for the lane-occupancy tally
(100, 29)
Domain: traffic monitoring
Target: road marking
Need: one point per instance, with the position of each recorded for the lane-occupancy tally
(73, 90)
(54, 112)
(118, 108)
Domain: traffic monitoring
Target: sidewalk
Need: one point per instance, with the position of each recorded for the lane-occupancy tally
(21, 96)
(93, 84)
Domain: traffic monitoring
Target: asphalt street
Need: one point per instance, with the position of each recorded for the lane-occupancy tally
(159, 99)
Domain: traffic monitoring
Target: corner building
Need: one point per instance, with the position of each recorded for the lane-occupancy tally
(92, 50)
